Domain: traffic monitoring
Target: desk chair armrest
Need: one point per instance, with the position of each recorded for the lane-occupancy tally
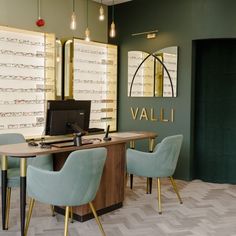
(44, 180)
(141, 163)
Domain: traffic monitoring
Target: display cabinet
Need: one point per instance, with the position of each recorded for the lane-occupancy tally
(91, 74)
(27, 79)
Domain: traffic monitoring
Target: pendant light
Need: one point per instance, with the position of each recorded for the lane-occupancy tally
(101, 13)
(40, 22)
(87, 32)
(73, 17)
(113, 27)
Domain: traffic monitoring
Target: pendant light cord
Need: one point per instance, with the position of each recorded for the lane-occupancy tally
(73, 6)
(39, 12)
(87, 13)
(113, 11)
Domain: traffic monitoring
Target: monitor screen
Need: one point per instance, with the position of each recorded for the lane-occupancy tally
(62, 114)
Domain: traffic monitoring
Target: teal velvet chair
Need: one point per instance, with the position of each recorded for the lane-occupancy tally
(13, 173)
(158, 164)
(74, 185)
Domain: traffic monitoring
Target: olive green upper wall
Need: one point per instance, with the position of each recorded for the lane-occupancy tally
(56, 13)
(179, 22)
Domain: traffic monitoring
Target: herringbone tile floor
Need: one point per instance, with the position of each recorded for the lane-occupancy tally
(208, 210)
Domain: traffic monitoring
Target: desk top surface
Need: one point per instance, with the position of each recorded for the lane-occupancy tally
(24, 150)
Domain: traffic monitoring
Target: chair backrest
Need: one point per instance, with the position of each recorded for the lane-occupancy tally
(82, 173)
(167, 154)
(12, 138)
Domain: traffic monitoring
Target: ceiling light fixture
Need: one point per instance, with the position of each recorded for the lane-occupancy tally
(87, 32)
(113, 27)
(40, 22)
(73, 17)
(101, 13)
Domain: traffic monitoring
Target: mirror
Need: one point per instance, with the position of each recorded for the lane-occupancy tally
(153, 75)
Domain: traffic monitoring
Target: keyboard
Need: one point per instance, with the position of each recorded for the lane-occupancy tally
(95, 130)
(71, 144)
(61, 140)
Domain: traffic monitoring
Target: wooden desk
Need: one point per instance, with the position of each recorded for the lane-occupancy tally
(110, 195)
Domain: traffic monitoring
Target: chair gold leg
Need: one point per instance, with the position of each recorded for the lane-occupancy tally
(8, 207)
(52, 210)
(31, 206)
(176, 189)
(71, 215)
(97, 219)
(159, 195)
(66, 221)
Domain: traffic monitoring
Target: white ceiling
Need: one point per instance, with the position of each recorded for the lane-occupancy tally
(110, 2)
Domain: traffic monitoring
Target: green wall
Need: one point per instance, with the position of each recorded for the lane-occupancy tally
(179, 22)
(215, 110)
(56, 13)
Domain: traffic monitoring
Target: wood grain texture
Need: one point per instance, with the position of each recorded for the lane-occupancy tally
(24, 150)
(111, 189)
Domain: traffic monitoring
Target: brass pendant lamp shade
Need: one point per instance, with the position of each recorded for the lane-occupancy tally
(101, 13)
(87, 32)
(73, 17)
(112, 33)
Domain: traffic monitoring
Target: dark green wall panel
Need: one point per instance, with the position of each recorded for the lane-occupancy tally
(215, 126)
(179, 23)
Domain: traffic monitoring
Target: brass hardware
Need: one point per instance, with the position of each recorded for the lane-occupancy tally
(151, 36)
(149, 114)
(4, 162)
(97, 219)
(162, 116)
(176, 189)
(31, 206)
(172, 114)
(145, 32)
(159, 195)
(151, 144)
(134, 114)
(132, 144)
(66, 220)
(8, 207)
(144, 114)
(71, 215)
(153, 118)
(23, 167)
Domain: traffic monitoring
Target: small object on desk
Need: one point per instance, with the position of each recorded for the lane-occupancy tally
(59, 140)
(44, 145)
(71, 144)
(107, 138)
(78, 139)
(64, 144)
(33, 144)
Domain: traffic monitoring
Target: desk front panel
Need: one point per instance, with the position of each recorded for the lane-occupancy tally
(111, 189)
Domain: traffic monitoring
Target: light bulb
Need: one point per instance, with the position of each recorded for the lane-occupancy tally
(73, 21)
(113, 30)
(87, 35)
(101, 14)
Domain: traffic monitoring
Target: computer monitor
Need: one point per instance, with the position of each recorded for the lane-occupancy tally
(64, 115)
